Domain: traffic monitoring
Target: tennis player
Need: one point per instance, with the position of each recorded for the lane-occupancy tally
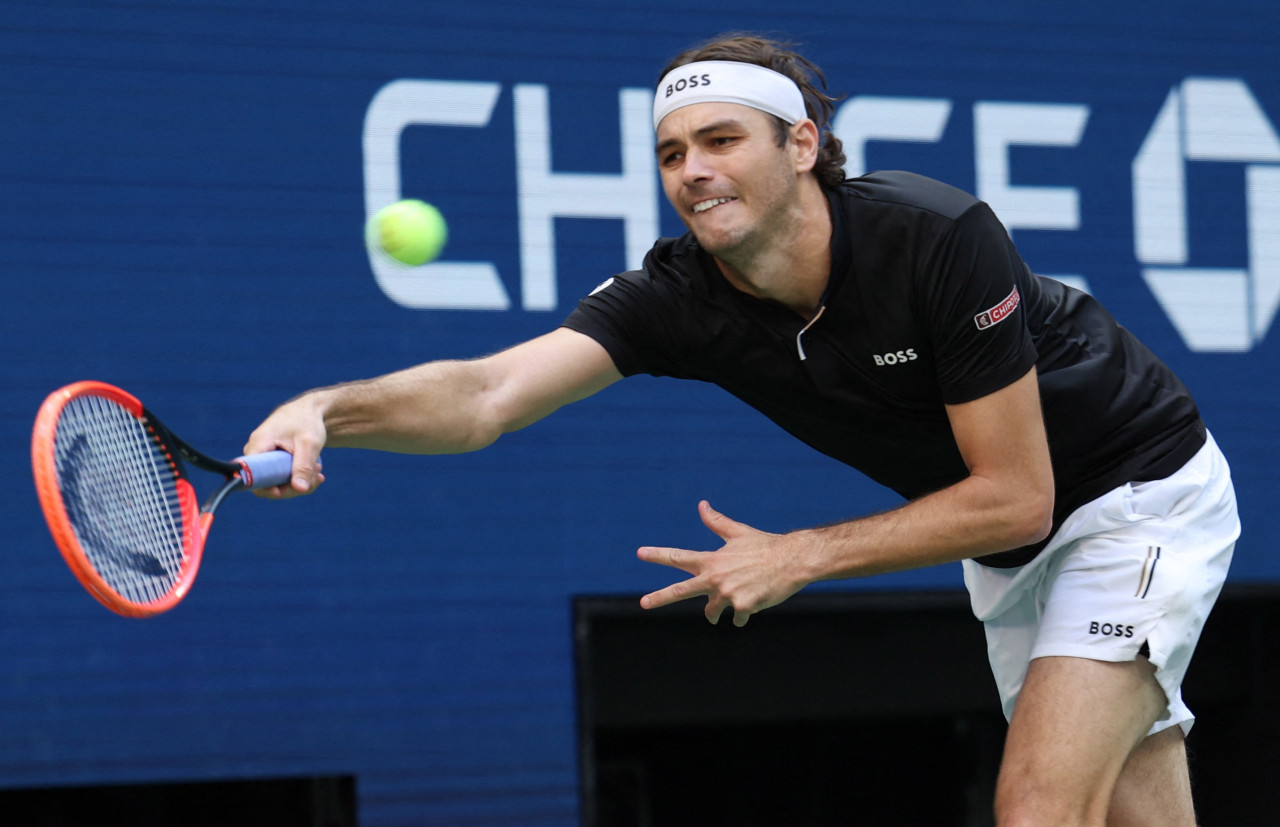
(888, 322)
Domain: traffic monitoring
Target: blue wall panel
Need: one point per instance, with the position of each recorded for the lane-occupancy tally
(182, 195)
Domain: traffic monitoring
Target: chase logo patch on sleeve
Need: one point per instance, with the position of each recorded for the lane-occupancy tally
(999, 313)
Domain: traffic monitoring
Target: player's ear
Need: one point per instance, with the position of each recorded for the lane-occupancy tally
(804, 137)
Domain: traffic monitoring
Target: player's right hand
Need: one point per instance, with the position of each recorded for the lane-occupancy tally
(297, 427)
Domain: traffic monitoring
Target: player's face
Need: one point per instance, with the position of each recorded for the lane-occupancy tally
(726, 176)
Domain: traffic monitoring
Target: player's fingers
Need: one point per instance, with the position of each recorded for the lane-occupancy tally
(309, 483)
(740, 618)
(672, 594)
(276, 492)
(715, 608)
(677, 558)
(717, 522)
(306, 465)
(256, 445)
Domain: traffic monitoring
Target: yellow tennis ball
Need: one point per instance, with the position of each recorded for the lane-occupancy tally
(410, 231)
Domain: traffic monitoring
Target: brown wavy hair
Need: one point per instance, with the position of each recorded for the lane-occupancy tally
(781, 58)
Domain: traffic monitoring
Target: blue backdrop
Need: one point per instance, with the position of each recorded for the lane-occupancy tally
(182, 195)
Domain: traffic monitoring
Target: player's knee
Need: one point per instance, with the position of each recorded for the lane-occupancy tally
(1026, 798)
(1034, 811)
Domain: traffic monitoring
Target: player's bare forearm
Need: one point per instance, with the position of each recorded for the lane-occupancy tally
(974, 517)
(755, 570)
(1005, 502)
(433, 408)
(436, 408)
(456, 406)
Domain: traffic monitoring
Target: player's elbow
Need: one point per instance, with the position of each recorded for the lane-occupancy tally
(1034, 518)
(482, 413)
(483, 426)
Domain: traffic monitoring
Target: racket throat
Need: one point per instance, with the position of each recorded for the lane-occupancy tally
(215, 499)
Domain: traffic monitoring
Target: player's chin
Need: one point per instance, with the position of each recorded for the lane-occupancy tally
(717, 241)
(717, 232)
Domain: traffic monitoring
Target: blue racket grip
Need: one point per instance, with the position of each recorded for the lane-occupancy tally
(266, 470)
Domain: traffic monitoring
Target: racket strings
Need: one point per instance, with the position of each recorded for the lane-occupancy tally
(121, 496)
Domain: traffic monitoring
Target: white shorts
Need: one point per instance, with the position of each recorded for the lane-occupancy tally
(1140, 566)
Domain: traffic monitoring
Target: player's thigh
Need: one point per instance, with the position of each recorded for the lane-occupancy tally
(1075, 723)
(1154, 788)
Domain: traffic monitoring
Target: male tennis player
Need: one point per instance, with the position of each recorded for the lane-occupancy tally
(889, 322)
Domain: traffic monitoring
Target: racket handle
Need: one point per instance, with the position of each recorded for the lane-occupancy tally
(266, 470)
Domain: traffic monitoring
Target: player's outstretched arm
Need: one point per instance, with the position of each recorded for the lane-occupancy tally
(1005, 502)
(438, 407)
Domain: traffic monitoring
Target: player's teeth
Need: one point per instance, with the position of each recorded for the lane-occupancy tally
(706, 205)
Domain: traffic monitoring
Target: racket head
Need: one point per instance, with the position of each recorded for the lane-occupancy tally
(116, 498)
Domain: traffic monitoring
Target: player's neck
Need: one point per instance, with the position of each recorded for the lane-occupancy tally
(793, 271)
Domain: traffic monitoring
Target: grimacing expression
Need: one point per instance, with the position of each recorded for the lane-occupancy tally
(725, 175)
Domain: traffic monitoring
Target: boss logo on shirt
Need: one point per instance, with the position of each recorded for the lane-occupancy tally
(1110, 629)
(996, 315)
(897, 357)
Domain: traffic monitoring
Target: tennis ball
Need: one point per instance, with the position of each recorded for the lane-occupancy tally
(410, 231)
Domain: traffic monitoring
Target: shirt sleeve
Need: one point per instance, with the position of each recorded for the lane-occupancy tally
(968, 293)
(632, 317)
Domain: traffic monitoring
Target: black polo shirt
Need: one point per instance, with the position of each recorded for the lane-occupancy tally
(928, 303)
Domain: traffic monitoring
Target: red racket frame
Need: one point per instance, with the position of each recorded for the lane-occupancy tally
(195, 523)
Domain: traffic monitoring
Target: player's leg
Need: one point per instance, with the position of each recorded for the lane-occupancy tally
(1075, 725)
(1089, 645)
(1155, 787)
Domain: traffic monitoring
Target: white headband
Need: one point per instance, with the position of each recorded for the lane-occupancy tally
(728, 81)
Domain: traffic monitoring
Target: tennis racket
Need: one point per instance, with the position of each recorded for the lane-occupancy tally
(114, 489)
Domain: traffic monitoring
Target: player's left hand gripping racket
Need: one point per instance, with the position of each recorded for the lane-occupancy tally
(115, 493)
